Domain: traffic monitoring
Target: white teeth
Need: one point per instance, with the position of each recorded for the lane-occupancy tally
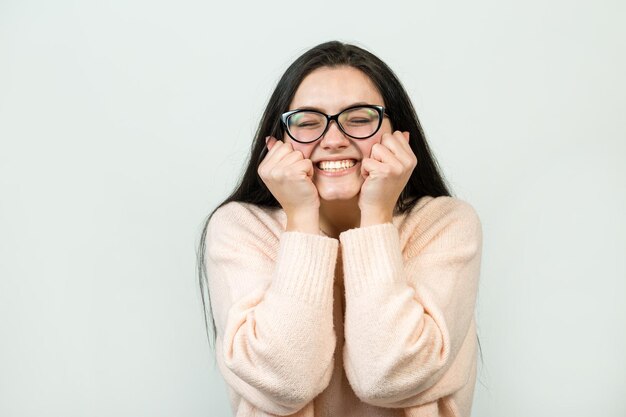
(336, 165)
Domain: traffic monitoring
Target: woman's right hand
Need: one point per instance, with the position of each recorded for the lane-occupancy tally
(288, 176)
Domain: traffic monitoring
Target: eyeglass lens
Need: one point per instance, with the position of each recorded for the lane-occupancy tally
(307, 126)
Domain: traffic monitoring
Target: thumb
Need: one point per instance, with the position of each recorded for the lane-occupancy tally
(365, 167)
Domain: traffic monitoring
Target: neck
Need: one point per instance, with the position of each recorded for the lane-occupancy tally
(337, 216)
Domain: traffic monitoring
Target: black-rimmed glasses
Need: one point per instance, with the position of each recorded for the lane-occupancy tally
(357, 122)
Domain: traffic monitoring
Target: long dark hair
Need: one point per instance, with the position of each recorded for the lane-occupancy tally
(426, 179)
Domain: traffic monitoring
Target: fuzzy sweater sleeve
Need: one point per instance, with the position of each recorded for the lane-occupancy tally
(410, 304)
(271, 296)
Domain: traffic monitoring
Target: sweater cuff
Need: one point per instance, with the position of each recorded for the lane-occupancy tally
(306, 267)
(371, 257)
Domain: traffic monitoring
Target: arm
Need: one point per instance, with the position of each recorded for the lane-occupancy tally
(410, 305)
(271, 295)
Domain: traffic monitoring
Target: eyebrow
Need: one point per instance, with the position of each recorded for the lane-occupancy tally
(358, 103)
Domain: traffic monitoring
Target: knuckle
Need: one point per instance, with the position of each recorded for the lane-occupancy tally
(274, 174)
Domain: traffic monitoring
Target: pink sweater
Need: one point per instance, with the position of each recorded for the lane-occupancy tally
(378, 323)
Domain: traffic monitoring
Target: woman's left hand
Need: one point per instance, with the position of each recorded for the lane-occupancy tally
(386, 173)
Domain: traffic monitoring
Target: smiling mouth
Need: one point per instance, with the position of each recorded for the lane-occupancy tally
(335, 166)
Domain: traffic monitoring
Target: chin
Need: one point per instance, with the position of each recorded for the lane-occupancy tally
(338, 193)
(337, 197)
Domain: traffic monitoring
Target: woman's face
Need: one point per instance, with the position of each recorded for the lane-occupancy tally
(331, 90)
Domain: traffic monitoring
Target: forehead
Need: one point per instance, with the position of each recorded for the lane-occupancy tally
(333, 89)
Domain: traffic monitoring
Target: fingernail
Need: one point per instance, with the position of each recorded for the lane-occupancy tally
(267, 138)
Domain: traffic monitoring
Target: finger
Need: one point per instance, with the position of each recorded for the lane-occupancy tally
(290, 158)
(270, 142)
(369, 165)
(283, 168)
(304, 165)
(298, 170)
(402, 138)
(412, 156)
(270, 158)
(396, 141)
(383, 154)
(390, 164)
(400, 148)
(278, 151)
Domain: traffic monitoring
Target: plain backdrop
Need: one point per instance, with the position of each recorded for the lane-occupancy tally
(124, 123)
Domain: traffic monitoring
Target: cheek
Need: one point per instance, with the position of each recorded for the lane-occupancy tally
(366, 146)
(385, 127)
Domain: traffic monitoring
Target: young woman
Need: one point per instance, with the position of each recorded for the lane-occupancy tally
(342, 276)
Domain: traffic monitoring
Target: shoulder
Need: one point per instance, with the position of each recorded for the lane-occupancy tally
(240, 223)
(434, 210)
(246, 215)
(445, 219)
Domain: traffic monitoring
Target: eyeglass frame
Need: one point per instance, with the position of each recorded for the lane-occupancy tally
(381, 115)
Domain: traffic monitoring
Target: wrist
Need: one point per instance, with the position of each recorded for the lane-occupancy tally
(304, 221)
(375, 216)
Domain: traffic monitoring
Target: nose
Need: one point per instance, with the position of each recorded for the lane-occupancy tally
(334, 137)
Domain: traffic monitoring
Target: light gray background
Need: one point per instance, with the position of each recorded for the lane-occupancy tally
(123, 123)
